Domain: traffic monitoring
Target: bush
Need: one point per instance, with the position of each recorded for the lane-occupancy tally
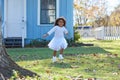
(38, 43)
(76, 35)
(70, 42)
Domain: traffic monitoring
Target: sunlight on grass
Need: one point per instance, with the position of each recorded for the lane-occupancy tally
(101, 61)
(90, 65)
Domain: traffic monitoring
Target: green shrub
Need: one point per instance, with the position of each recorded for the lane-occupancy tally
(70, 42)
(38, 43)
(73, 43)
(76, 35)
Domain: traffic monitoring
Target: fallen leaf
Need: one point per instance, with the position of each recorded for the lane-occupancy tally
(74, 66)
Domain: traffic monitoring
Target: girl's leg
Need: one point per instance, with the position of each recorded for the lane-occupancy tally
(61, 54)
(54, 53)
(54, 56)
(61, 51)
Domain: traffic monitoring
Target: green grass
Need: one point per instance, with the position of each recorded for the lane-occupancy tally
(99, 61)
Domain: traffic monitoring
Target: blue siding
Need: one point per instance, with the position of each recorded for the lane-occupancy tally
(31, 18)
(63, 8)
(70, 17)
(66, 10)
(2, 8)
(35, 31)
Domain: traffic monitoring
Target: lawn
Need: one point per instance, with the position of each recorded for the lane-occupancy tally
(101, 61)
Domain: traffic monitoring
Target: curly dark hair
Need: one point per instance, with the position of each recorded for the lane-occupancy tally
(60, 18)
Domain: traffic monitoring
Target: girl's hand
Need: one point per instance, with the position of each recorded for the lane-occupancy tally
(45, 35)
(67, 33)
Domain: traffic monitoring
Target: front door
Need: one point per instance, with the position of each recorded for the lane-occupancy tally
(15, 18)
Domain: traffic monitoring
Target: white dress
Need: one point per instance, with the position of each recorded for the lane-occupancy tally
(58, 42)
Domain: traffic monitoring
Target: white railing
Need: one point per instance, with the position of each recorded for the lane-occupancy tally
(86, 33)
(107, 33)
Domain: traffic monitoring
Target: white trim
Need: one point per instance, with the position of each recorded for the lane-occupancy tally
(38, 18)
(5, 18)
(25, 19)
(38, 12)
(24, 30)
(57, 8)
(25, 10)
(5, 10)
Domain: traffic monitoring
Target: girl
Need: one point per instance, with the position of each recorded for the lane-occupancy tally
(58, 42)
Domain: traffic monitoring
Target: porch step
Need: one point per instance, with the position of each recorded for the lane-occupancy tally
(13, 42)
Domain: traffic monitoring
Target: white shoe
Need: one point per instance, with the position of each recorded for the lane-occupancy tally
(54, 59)
(61, 57)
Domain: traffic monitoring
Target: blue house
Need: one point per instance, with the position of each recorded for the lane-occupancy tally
(30, 19)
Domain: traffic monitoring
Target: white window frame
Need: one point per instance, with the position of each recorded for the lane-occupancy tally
(38, 13)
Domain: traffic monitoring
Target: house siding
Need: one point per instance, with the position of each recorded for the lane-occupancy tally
(70, 17)
(35, 31)
(2, 7)
(66, 10)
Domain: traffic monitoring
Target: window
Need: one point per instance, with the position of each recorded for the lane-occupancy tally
(47, 11)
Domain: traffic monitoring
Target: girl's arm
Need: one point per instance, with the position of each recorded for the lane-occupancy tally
(65, 31)
(49, 32)
(45, 35)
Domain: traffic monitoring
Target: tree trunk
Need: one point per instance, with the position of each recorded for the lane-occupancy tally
(7, 65)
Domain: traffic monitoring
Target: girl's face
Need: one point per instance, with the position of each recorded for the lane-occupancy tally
(60, 23)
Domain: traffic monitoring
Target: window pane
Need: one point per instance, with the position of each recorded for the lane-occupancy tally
(44, 17)
(51, 12)
(44, 4)
(48, 11)
(48, 4)
(52, 4)
(47, 16)
(52, 18)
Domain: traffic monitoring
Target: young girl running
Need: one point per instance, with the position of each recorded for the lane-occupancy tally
(58, 42)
